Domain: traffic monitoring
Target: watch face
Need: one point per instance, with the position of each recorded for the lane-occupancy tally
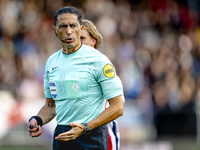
(87, 129)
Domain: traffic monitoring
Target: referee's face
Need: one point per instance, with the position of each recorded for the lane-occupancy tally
(68, 29)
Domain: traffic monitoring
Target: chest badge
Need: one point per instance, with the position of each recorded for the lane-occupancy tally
(75, 87)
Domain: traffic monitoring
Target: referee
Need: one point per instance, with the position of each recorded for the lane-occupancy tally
(77, 82)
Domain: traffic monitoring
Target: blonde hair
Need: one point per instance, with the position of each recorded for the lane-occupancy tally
(93, 32)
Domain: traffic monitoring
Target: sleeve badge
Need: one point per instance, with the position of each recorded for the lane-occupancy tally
(109, 71)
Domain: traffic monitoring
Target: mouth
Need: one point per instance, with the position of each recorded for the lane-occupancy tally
(69, 40)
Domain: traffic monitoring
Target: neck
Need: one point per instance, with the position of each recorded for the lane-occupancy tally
(67, 50)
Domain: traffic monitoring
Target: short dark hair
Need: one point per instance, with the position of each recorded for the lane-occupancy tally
(70, 10)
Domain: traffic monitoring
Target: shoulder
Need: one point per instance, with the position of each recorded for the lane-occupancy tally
(54, 55)
(91, 52)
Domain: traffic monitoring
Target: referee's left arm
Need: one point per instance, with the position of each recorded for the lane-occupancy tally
(114, 111)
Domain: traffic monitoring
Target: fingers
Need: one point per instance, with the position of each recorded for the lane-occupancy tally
(68, 133)
(36, 131)
(72, 134)
(72, 124)
(33, 128)
(32, 122)
(65, 137)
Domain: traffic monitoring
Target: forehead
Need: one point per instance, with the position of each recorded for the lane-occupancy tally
(67, 18)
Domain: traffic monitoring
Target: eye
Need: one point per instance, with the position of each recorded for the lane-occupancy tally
(63, 26)
(73, 25)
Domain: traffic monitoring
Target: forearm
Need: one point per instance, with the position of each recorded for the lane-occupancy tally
(114, 111)
(47, 112)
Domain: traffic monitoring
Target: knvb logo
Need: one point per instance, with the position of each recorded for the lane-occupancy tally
(75, 87)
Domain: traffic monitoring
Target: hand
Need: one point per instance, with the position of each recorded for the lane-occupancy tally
(34, 129)
(76, 131)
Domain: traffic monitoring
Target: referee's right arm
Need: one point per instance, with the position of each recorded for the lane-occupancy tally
(46, 114)
(48, 111)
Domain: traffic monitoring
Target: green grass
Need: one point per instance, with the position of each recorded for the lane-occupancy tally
(24, 148)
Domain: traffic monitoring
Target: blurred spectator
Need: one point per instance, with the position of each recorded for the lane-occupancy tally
(154, 45)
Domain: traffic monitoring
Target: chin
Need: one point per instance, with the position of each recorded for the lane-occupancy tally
(70, 45)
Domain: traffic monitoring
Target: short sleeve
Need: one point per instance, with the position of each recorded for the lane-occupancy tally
(107, 77)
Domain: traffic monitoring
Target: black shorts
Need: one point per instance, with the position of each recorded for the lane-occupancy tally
(96, 140)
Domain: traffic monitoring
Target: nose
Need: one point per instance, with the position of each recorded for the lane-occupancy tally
(69, 31)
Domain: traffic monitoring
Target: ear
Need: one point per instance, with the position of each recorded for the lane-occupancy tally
(82, 27)
(93, 42)
(54, 29)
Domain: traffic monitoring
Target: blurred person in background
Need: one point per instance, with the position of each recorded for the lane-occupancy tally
(77, 82)
(91, 36)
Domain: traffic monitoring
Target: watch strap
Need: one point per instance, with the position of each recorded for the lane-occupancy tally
(87, 129)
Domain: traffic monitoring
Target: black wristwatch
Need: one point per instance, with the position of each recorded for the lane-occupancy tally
(87, 129)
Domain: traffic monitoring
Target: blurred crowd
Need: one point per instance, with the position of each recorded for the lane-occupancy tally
(153, 44)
